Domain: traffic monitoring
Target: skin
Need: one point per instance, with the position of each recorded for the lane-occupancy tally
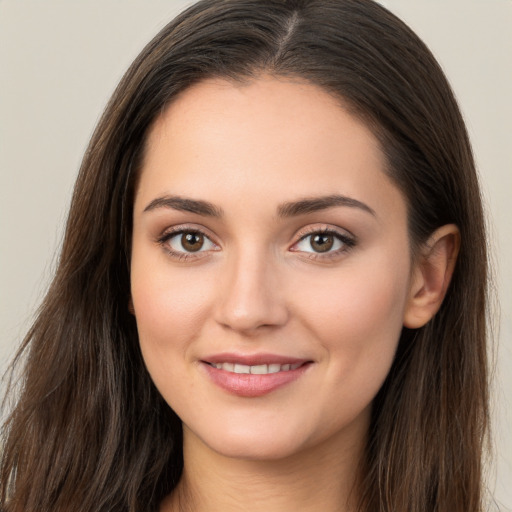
(258, 285)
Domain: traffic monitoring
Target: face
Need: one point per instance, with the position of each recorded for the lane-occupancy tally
(270, 267)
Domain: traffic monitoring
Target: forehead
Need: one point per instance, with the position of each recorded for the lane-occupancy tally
(248, 110)
(265, 138)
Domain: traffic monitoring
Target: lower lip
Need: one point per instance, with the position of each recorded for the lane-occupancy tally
(252, 385)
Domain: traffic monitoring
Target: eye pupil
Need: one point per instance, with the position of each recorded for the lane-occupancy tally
(322, 242)
(192, 242)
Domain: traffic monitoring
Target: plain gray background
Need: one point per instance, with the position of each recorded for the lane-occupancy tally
(59, 62)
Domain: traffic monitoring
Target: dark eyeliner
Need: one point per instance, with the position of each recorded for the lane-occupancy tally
(167, 234)
(348, 241)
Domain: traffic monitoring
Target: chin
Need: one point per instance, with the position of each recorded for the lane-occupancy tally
(253, 444)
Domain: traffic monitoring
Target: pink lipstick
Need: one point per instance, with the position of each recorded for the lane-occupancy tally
(253, 375)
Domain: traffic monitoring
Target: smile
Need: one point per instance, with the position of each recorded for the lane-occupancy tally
(251, 376)
(259, 369)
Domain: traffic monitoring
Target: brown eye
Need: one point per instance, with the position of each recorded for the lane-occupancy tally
(192, 242)
(183, 242)
(322, 242)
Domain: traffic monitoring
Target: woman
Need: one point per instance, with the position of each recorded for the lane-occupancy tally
(269, 295)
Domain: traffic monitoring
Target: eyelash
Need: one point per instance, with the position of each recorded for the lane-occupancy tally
(347, 241)
(164, 239)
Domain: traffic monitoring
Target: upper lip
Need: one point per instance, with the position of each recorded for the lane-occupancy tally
(253, 359)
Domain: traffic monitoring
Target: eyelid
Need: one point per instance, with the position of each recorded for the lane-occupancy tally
(324, 228)
(344, 236)
(173, 231)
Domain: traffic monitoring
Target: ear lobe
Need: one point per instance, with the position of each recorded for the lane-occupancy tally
(431, 276)
(131, 309)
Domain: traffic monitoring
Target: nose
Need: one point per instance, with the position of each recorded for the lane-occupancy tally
(250, 297)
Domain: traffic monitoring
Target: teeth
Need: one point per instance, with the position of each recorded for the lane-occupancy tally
(274, 368)
(260, 369)
(242, 368)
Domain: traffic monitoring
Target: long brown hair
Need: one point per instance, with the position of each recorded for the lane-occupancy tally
(90, 432)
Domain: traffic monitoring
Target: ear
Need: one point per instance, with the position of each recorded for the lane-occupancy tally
(431, 276)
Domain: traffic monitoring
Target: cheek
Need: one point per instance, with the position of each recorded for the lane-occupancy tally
(357, 316)
(357, 300)
(169, 308)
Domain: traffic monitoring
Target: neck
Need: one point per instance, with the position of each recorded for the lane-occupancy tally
(321, 478)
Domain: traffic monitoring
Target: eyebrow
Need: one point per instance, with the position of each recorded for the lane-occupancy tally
(314, 204)
(289, 209)
(186, 205)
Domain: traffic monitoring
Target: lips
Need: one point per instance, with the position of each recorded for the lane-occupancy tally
(258, 369)
(253, 375)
